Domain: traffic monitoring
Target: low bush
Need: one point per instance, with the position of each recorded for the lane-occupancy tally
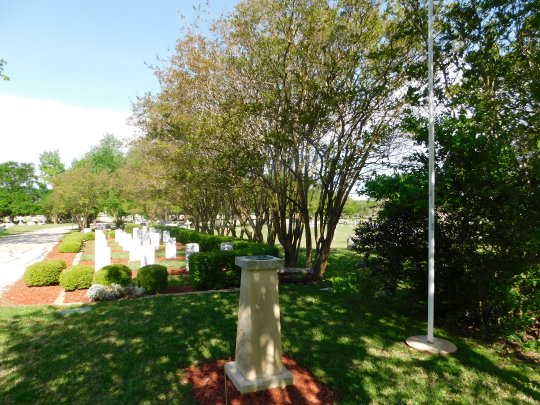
(153, 278)
(73, 236)
(76, 277)
(110, 234)
(214, 270)
(128, 228)
(89, 236)
(70, 247)
(43, 273)
(114, 273)
(100, 292)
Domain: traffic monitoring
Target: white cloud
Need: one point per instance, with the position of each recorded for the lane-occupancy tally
(30, 126)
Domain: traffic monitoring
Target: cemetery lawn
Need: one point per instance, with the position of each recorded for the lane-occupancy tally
(136, 351)
(17, 229)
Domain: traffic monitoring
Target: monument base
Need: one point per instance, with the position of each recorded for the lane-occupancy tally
(244, 386)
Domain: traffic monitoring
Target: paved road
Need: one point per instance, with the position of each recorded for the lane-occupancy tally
(19, 251)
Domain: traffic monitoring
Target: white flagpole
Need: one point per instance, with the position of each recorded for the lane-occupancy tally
(430, 343)
(431, 206)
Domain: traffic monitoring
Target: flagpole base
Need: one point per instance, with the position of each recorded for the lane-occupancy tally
(439, 346)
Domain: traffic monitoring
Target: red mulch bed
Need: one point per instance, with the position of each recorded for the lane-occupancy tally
(54, 254)
(76, 296)
(19, 294)
(208, 387)
(178, 289)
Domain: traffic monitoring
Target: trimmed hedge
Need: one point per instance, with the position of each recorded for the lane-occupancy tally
(113, 274)
(70, 247)
(76, 277)
(89, 236)
(153, 278)
(213, 268)
(128, 228)
(43, 273)
(71, 243)
(216, 269)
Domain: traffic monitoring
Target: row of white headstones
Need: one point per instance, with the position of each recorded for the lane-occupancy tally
(141, 245)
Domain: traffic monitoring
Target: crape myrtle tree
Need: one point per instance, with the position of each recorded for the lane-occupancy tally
(285, 99)
(488, 172)
(91, 185)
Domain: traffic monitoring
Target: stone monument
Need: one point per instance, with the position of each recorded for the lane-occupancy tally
(258, 361)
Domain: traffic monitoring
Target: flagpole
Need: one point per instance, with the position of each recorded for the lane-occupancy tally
(430, 343)
(431, 203)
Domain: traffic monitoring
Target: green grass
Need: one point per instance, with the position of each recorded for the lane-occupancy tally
(136, 351)
(18, 229)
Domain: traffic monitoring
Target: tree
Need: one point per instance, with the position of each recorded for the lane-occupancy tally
(107, 156)
(79, 193)
(488, 250)
(50, 165)
(319, 87)
(20, 191)
(2, 64)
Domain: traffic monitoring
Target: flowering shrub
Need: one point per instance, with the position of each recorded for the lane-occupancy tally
(100, 292)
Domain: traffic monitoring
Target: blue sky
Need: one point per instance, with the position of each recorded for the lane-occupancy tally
(82, 60)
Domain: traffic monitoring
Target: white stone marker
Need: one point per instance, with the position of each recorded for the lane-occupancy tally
(170, 248)
(135, 233)
(258, 360)
(102, 256)
(118, 235)
(155, 239)
(226, 246)
(190, 248)
(166, 236)
(148, 255)
(135, 250)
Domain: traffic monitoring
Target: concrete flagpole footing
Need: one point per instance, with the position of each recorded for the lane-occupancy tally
(439, 346)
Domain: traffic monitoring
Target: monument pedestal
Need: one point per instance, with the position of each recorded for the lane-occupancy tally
(258, 360)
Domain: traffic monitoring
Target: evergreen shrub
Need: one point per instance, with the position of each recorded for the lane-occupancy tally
(153, 278)
(76, 277)
(114, 273)
(43, 273)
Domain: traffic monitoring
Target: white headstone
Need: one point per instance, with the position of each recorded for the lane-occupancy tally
(148, 255)
(166, 236)
(135, 250)
(226, 246)
(118, 235)
(190, 248)
(102, 256)
(155, 239)
(144, 229)
(170, 248)
(136, 233)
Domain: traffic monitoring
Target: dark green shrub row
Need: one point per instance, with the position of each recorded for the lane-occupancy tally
(206, 242)
(43, 273)
(71, 243)
(153, 278)
(114, 273)
(216, 269)
(76, 277)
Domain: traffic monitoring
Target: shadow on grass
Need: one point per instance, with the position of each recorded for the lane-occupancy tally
(135, 352)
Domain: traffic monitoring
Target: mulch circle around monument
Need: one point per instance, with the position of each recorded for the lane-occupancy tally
(209, 389)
